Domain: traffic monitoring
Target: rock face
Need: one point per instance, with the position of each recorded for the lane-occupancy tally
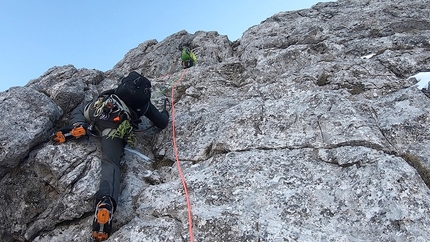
(308, 128)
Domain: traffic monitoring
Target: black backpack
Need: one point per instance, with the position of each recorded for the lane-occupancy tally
(134, 90)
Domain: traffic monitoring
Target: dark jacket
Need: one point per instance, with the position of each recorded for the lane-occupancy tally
(159, 119)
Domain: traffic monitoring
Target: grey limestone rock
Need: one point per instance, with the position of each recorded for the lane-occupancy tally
(308, 128)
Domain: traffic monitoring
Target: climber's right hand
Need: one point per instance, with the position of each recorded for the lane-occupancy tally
(64, 134)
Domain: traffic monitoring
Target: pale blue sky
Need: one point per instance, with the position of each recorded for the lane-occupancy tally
(96, 34)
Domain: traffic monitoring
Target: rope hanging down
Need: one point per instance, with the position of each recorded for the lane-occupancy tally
(175, 148)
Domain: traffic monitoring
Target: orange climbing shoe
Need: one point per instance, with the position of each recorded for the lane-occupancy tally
(102, 224)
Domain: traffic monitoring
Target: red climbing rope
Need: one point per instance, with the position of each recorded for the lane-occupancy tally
(184, 184)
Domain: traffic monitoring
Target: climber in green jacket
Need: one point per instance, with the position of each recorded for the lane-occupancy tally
(188, 57)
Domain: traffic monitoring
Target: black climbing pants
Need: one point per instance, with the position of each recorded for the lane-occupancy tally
(112, 150)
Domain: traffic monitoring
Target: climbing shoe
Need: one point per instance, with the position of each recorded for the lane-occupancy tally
(102, 223)
(66, 133)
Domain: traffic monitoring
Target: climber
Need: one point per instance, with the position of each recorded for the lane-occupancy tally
(188, 57)
(113, 116)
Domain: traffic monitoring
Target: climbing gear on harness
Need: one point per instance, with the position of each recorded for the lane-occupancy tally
(115, 117)
(108, 107)
(102, 223)
(109, 111)
(69, 132)
(124, 131)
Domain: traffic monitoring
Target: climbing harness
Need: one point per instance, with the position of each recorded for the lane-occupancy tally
(108, 107)
(111, 108)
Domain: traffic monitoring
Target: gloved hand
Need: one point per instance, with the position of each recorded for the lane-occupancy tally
(165, 112)
(135, 123)
(66, 133)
